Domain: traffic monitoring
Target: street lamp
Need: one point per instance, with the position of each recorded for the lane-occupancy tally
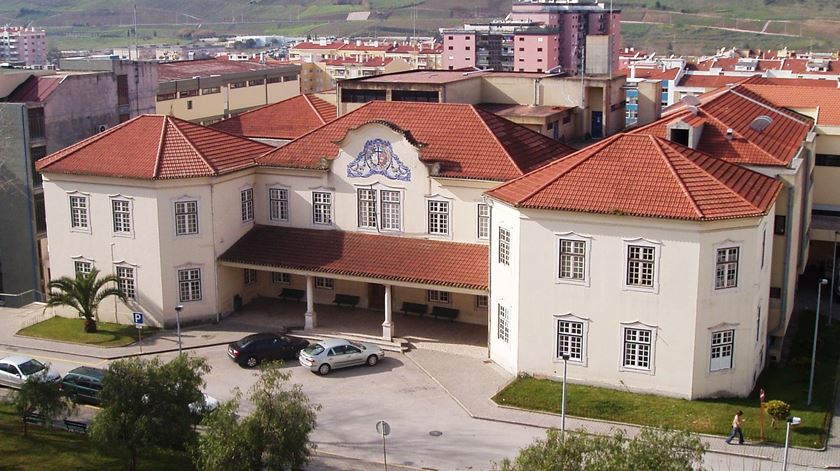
(565, 357)
(178, 324)
(816, 330)
(791, 421)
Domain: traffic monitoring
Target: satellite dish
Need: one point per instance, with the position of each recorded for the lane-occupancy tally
(691, 100)
(760, 123)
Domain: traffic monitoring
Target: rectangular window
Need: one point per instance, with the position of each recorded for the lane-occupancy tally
(481, 302)
(237, 85)
(723, 344)
(504, 246)
(122, 216)
(324, 283)
(726, 269)
(189, 284)
(122, 89)
(503, 327)
(186, 217)
(572, 259)
(273, 80)
(35, 154)
(250, 276)
(210, 91)
(439, 217)
(321, 207)
(246, 198)
(570, 340)
(79, 212)
(637, 348)
(82, 267)
(254, 83)
(166, 96)
(278, 204)
(391, 211)
(640, 266)
(367, 208)
(281, 278)
(483, 221)
(779, 224)
(126, 276)
(435, 296)
(37, 126)
(187, 93)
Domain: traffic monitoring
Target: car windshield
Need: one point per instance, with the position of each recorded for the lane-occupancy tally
(31, 367)
(314, 349)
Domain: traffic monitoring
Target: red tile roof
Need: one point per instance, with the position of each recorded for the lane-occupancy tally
(709, 81)
(288, 119)
(794, 65)
(825, 99)
(182, 70)
(155, 147)
(318, 46)
(646, 176)
(654, 73)
(736, 108)
(795, 82)
(35, 89)
(467, 142)
(348, 253)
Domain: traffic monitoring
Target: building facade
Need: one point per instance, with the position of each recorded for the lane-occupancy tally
(23, 46)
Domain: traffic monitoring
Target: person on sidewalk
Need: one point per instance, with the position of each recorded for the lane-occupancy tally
(736, 429)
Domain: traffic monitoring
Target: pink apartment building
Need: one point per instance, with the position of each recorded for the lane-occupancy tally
(26, 46)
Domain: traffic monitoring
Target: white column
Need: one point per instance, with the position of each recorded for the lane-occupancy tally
(388, 325)
(310, 318)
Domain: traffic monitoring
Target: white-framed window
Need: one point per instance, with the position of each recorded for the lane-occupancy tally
(483, 221)
(278, 204)
(82, 267)
(726, 268)
(435, 296)
(641, 266)
(127, 281)
(763, 245)
(79, 215)
(322, 208)
(121, 213)
(367, 207)
(186, 217)
(324, 283)
(503, 324)
(504, 246)
(391, 210)
(281, 278)
(570, 339)
(572, 263)
(637, 349)
(189, 284)
(250, 276)
(481, 302)
(246, 200)
(723, 346)
(438, 217)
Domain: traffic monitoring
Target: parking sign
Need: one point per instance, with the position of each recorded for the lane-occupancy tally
(138, 320)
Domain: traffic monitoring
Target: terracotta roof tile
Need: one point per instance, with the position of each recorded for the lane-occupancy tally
(405, 259)
(646, 176)
(288, 119)
(467, 142)
(709, 81)
(826, 99)
(153, 147)
(35, 89)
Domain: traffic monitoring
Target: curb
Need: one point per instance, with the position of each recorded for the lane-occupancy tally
(327, 454)
(111, 357)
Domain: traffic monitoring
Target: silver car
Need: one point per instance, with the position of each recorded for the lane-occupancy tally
(329, 354)
(15, 370)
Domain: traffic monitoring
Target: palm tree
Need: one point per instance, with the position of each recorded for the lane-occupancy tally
(84, 293)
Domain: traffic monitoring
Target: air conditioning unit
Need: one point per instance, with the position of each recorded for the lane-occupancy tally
(101, 127)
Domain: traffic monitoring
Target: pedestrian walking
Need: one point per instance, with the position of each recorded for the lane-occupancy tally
(736, 429)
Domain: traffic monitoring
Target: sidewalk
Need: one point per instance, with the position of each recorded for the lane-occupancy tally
(472, 382)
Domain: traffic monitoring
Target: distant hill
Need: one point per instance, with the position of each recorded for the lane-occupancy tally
(678, 26)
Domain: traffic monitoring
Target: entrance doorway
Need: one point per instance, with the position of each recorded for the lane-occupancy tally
(376, 296)
(597, 124)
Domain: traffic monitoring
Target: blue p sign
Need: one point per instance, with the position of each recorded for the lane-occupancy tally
(138, 318)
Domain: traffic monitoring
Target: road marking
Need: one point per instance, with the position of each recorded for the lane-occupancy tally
(63, 360)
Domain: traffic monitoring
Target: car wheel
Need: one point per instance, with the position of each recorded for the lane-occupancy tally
(372, 360)
(324, 369)
(252, 361)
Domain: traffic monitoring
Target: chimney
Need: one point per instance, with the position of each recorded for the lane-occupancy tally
(729, 133)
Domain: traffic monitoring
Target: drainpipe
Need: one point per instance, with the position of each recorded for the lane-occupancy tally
(788, 249)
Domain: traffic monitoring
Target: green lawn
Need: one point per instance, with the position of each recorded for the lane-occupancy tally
(54, 449)
(789, 384)
(73, 330)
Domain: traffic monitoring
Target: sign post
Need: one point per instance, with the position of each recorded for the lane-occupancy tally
(384, 429)
(761, 412)
(138, 322)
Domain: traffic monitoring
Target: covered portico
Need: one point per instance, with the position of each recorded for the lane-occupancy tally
(374, 271)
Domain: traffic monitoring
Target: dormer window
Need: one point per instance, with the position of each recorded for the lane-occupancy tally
(680, 136)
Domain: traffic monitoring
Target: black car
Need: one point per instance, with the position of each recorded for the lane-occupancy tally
(251, 350)
(83, 384)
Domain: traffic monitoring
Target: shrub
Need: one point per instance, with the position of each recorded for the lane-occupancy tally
(778, 410)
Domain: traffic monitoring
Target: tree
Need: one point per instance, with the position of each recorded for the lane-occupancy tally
(777, 410)
(43, 397)
(649, 449)
(146, 406)
(84, 293)
(53, 55)
(274, 436)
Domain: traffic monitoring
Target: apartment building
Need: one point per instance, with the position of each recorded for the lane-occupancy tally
(23, 46)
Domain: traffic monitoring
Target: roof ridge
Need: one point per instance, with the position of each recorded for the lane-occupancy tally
(308, 101)
(86, 142)
(192, 146)
(748, 141)
(159, 155)
(496, 138)
(658, 145)
(764, 105)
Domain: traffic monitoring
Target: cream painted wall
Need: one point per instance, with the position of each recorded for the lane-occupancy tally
(212, 106)
(826, 189)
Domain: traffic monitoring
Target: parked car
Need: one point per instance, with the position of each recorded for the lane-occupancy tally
(83, 384)
(330, 354)
(209, 404)
(15, 370)
(253, 349)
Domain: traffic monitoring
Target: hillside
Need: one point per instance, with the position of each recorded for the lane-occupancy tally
(679, 26)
